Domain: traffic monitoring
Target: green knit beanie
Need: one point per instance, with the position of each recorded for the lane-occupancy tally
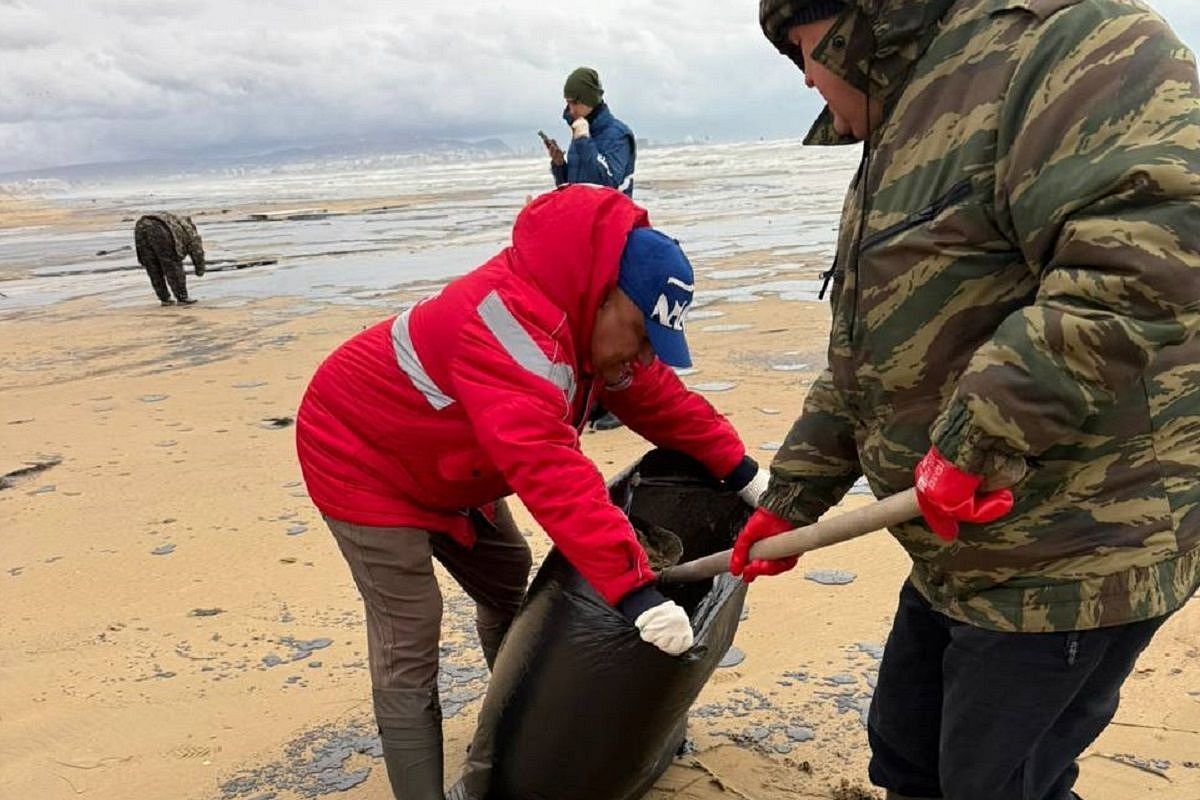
(583, 86)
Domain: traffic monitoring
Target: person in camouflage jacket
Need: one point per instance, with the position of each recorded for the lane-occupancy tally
(162, 241)
(1015, 297)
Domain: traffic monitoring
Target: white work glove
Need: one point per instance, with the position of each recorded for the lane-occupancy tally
(667, 627)
(749, 480)
(753, 491)
(660, 622)
(580, 128)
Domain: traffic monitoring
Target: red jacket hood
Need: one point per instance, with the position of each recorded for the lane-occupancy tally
(568, 243)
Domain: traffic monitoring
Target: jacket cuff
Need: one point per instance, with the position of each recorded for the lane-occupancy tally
(640, 600)
(788, 501)
(742, 474)
(968, 447)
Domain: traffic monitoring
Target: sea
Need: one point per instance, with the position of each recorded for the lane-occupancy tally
(755, 218)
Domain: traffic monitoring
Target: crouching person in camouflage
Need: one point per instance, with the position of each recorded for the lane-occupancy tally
(163, 240)
(1016, 293)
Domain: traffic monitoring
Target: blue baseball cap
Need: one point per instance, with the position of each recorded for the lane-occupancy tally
(658, 278)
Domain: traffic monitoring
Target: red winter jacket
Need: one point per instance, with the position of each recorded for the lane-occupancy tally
(481, 391)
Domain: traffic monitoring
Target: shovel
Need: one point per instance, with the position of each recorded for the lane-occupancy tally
(881, 514)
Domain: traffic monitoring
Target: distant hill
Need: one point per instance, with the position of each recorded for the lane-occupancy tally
(417, 150)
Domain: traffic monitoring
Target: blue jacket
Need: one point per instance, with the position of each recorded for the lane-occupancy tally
(606, 157)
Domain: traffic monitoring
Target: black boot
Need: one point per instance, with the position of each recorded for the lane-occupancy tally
(460, 792)
(606, 422)
(410, 729)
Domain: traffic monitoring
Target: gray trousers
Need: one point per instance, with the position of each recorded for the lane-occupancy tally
(393, 569)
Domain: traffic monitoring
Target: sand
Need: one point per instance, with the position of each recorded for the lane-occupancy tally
(178, 624)
(18, 212)
(21, 211)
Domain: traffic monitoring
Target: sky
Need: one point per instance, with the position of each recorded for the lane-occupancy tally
(116, 80)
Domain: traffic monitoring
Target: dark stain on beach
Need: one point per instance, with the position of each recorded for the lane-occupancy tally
(32, 468)
(830, 577)
(323, 761)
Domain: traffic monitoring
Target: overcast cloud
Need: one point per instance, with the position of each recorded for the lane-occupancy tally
(106, 80)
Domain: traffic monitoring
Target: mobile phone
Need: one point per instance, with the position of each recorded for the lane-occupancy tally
(545, 138)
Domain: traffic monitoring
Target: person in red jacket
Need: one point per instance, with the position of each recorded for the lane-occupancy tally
(412, 432)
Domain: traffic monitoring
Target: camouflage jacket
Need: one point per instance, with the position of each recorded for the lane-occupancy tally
(186, 237)
(1018, 280)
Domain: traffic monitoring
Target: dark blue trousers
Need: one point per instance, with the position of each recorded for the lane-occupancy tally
(964, 713)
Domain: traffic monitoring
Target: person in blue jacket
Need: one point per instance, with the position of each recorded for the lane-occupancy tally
(602, 151)
(602, 148)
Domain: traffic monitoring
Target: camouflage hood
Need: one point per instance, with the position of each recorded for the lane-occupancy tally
(873, 46)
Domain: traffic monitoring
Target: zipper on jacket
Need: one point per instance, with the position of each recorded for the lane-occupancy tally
(580, 422)
(826, 277)
(863, 211)
(958, 192)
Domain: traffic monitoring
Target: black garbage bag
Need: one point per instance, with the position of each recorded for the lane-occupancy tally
(579, 707)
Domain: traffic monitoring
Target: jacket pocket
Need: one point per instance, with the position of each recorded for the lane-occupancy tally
(959, 192)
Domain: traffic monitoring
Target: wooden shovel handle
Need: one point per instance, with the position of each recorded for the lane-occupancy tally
(843, 527)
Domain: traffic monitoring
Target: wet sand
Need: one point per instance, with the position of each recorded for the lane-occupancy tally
(21, 211)
(179, 624)
(16, 212)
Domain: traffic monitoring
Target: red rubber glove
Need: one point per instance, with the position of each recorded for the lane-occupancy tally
(948, 496)
(761, 525)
